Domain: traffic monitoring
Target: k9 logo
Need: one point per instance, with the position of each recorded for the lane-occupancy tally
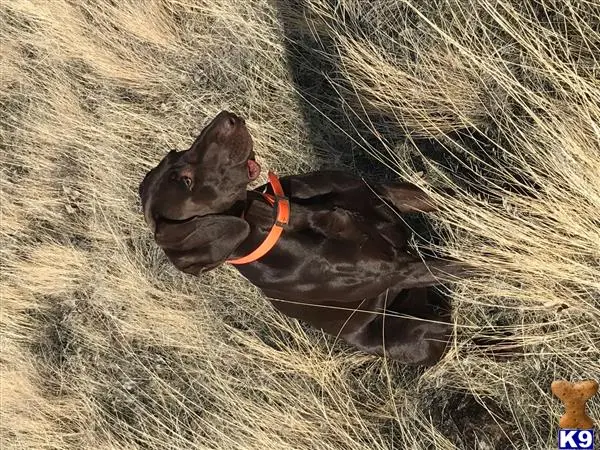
(575, 439)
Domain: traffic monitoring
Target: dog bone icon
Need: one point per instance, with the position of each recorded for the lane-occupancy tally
(574, 396)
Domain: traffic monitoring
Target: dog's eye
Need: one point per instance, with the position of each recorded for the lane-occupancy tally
(187, 181)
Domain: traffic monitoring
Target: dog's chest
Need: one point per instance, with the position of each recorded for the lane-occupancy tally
(342, 224)
(337, 223)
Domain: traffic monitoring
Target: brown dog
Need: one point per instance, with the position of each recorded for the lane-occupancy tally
(342, 264)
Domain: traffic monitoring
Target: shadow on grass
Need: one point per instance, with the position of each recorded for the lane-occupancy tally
(340, 132)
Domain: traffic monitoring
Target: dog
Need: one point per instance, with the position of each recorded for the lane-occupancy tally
(325, 247)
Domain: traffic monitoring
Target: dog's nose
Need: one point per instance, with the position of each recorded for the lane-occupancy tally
(230, 121)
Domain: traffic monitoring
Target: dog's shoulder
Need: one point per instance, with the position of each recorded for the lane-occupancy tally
(321, 183)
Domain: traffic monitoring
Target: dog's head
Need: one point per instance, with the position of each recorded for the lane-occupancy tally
(192, 200)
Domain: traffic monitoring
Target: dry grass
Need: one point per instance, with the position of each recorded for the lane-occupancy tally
(106, 345)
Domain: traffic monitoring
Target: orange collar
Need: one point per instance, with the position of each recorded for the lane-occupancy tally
(282, 205)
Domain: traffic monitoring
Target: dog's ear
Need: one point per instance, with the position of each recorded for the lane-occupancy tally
(202, 243)
(406, 197)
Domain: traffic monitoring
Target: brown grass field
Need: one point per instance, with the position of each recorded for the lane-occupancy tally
(105, 345)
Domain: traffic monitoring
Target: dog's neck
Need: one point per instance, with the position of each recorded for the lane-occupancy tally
(257, 211)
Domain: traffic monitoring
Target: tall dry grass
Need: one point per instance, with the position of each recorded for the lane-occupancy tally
(106, 345)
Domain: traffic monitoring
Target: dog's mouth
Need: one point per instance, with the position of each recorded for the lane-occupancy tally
(157, 219)
(253, 167)
(162, 219)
